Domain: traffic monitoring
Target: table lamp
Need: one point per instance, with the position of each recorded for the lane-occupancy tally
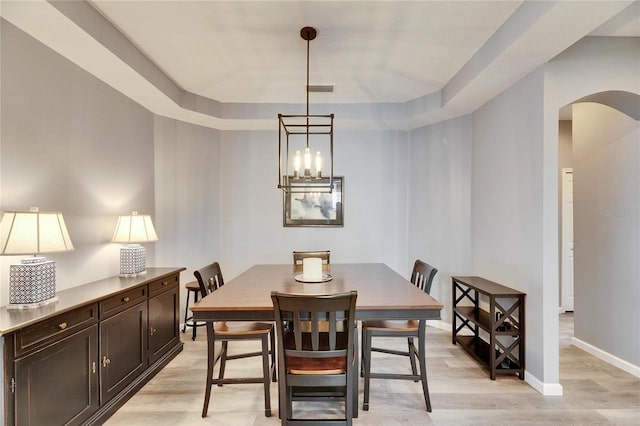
(32, 283)
(134, 229)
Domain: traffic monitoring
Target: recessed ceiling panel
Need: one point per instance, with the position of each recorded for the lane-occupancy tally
(251, 51)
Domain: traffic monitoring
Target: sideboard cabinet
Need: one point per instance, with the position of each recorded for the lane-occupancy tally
(77, 360)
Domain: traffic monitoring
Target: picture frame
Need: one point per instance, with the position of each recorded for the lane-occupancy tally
(319, 209)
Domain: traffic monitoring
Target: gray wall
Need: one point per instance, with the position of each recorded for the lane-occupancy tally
(506, 200)
(373, 164)
(606, 152)
(187, 188)
(71, 144)
(565, 159)
(439, 202)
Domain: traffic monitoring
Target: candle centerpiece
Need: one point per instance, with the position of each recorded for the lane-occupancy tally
(312, 271)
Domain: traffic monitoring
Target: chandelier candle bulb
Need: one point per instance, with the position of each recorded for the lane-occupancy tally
(318, 164)
(307, 162)
(296, 164)
(312, 269)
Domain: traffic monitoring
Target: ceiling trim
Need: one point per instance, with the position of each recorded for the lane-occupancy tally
(80, 33)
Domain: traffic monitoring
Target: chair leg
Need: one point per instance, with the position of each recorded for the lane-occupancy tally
(211, 360)
(423, 365)
(195, 327)
(348, 402)
(366, 345)
(354, 375)
(186, 313)
(362, 355)
(223, 360)
(266, 376)
(282, 394)
(272, 341)
(412, 356)
(288, 412)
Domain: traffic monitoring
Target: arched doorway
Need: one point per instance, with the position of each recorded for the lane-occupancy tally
(605, 158)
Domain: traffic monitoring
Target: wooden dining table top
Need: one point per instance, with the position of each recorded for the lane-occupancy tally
(382, 293)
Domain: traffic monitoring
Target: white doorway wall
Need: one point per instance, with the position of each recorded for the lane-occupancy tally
(567, 240)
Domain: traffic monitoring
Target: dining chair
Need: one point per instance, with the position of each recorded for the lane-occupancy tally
(422, 277)
(325, 255)
(210, 279)
(315, 360)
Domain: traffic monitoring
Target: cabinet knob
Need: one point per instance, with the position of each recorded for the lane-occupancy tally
(125, 299)
(62, 325)
(165, 283)
(105, 361)
(153, 331)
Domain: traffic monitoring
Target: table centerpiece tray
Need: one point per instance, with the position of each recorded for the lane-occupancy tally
(325, 278)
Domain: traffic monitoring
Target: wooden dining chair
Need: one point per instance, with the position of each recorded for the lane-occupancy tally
(314, 360)
(210, 279)
(325, 255)
(422, 277)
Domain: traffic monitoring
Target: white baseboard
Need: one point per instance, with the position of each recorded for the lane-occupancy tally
(607, 357)
(546, 389)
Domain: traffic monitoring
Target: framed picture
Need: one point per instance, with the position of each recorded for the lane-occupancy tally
(315, 208)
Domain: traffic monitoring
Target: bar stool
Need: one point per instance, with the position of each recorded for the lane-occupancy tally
(192, 287)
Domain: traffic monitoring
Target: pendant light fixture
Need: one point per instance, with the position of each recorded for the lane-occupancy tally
(302, 138)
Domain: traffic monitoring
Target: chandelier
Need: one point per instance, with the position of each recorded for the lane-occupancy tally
(302, 137)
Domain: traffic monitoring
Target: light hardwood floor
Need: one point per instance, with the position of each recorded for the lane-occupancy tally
(595, 393)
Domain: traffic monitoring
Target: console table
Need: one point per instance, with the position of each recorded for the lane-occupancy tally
(77, 360)
(493, 316)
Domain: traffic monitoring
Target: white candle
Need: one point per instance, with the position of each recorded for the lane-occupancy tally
(312, 269)
(296, 164)
(318, 164)
(307, 162)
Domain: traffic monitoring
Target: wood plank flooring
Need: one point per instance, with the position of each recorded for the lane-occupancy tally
(595, 393)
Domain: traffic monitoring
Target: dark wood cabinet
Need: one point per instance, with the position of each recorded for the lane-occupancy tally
(123, 352)
(489, 323)
(77, 360)
(164, 320)
(58, 385)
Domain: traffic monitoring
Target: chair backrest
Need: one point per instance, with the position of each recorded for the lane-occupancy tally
(422, 275)
(209, 278)
(322, 254)
(315, 326)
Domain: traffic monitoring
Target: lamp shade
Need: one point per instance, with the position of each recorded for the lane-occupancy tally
(134, 228)
(33, 232)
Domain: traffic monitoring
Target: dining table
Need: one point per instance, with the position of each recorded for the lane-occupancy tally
(383, 294)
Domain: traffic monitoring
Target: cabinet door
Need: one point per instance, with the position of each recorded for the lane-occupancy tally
(164, 312)
(58, 385)
(123, 350)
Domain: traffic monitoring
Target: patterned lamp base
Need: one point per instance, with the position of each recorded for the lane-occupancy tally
(32, 283)
(133, 260)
